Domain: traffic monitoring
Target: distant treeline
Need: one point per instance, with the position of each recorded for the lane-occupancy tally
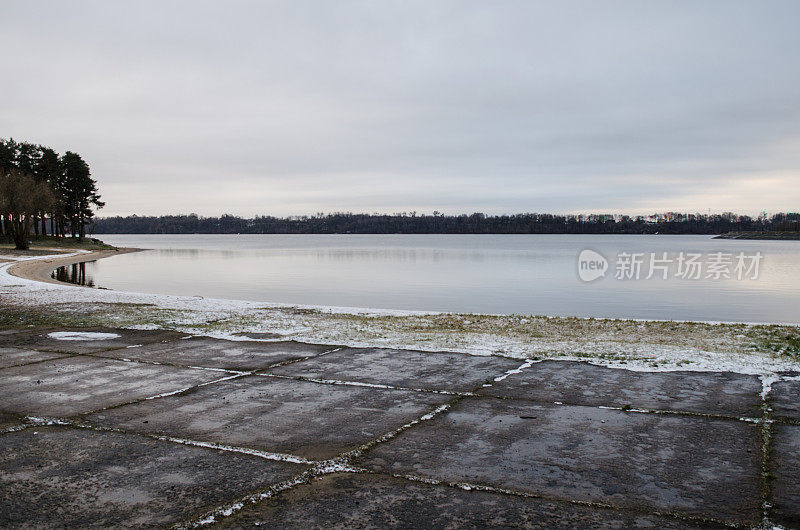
(477, 223)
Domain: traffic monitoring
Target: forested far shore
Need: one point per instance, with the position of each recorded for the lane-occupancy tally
(44, 193)
(437, 223)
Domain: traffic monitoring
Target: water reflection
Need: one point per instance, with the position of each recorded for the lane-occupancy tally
(534, 274)
(75, 273)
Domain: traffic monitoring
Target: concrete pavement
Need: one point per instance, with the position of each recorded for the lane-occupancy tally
(152, 428)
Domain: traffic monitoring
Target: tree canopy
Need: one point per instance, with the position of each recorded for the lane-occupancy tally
(41, 187)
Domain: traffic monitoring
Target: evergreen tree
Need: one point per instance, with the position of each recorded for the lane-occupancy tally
(72, 190)
(49, 170)
(8, 150)
(79, 193)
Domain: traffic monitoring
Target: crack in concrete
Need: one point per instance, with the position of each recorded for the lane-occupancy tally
(632, 410)
(198, 367)
(472, 486)
(195, 387)
(339, 382)
(62, 356)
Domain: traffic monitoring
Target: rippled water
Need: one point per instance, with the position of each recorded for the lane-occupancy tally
(524, 274)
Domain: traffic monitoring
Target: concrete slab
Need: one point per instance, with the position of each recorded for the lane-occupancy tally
(785, 468)
(307, 419)
(73, 385)
(692, 465)
(9, 420)
(586, 384)
(11, 337)
(408, 369)
(17, 356)
(9, 333)
(58, 477)
(381, 501)
(217, 353)
(40, 339)
(785, 397)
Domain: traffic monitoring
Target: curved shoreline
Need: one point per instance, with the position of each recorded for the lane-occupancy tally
(40, 270)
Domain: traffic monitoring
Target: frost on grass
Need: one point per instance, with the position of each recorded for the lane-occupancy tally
(632, 344)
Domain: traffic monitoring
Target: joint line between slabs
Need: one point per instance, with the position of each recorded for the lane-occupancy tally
(376, 386)
(338, 464)
(765, 477)
(468, 486)
(62, 356)
(159, 363)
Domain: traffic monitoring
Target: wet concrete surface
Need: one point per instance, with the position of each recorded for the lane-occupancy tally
(785, 470)
(786, 400)
(59, 477)
(9, 420)
(581, 383)
(407, 369)
(40, 339)
(9, 336)
(381, 501)
(675, 463)
(307, 419)
(74, 385)
(217, 353)
(572, 465)
(18, 356)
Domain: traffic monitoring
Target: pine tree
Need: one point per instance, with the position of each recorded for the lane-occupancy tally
(79, 193)
(68, 178)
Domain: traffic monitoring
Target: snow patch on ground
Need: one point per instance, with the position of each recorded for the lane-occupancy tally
(766, 384)
(527, 364)
(82, 335)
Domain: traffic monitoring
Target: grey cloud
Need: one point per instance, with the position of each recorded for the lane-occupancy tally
(304, 106)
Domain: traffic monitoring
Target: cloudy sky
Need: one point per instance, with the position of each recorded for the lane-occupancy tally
(297, 107)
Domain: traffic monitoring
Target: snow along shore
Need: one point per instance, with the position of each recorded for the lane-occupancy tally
(763, 350)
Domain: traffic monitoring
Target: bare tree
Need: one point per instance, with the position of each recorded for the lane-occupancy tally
(21, 199)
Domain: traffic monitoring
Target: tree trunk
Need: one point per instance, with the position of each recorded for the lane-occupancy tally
(21, 227)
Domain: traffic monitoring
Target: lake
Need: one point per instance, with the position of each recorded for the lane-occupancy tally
(520, 274)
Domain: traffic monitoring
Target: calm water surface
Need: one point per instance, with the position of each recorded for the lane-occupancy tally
(523, 274)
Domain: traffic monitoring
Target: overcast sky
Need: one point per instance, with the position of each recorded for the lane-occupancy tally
(297, 107)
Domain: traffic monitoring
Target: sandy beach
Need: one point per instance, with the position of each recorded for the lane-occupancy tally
(42, 269)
